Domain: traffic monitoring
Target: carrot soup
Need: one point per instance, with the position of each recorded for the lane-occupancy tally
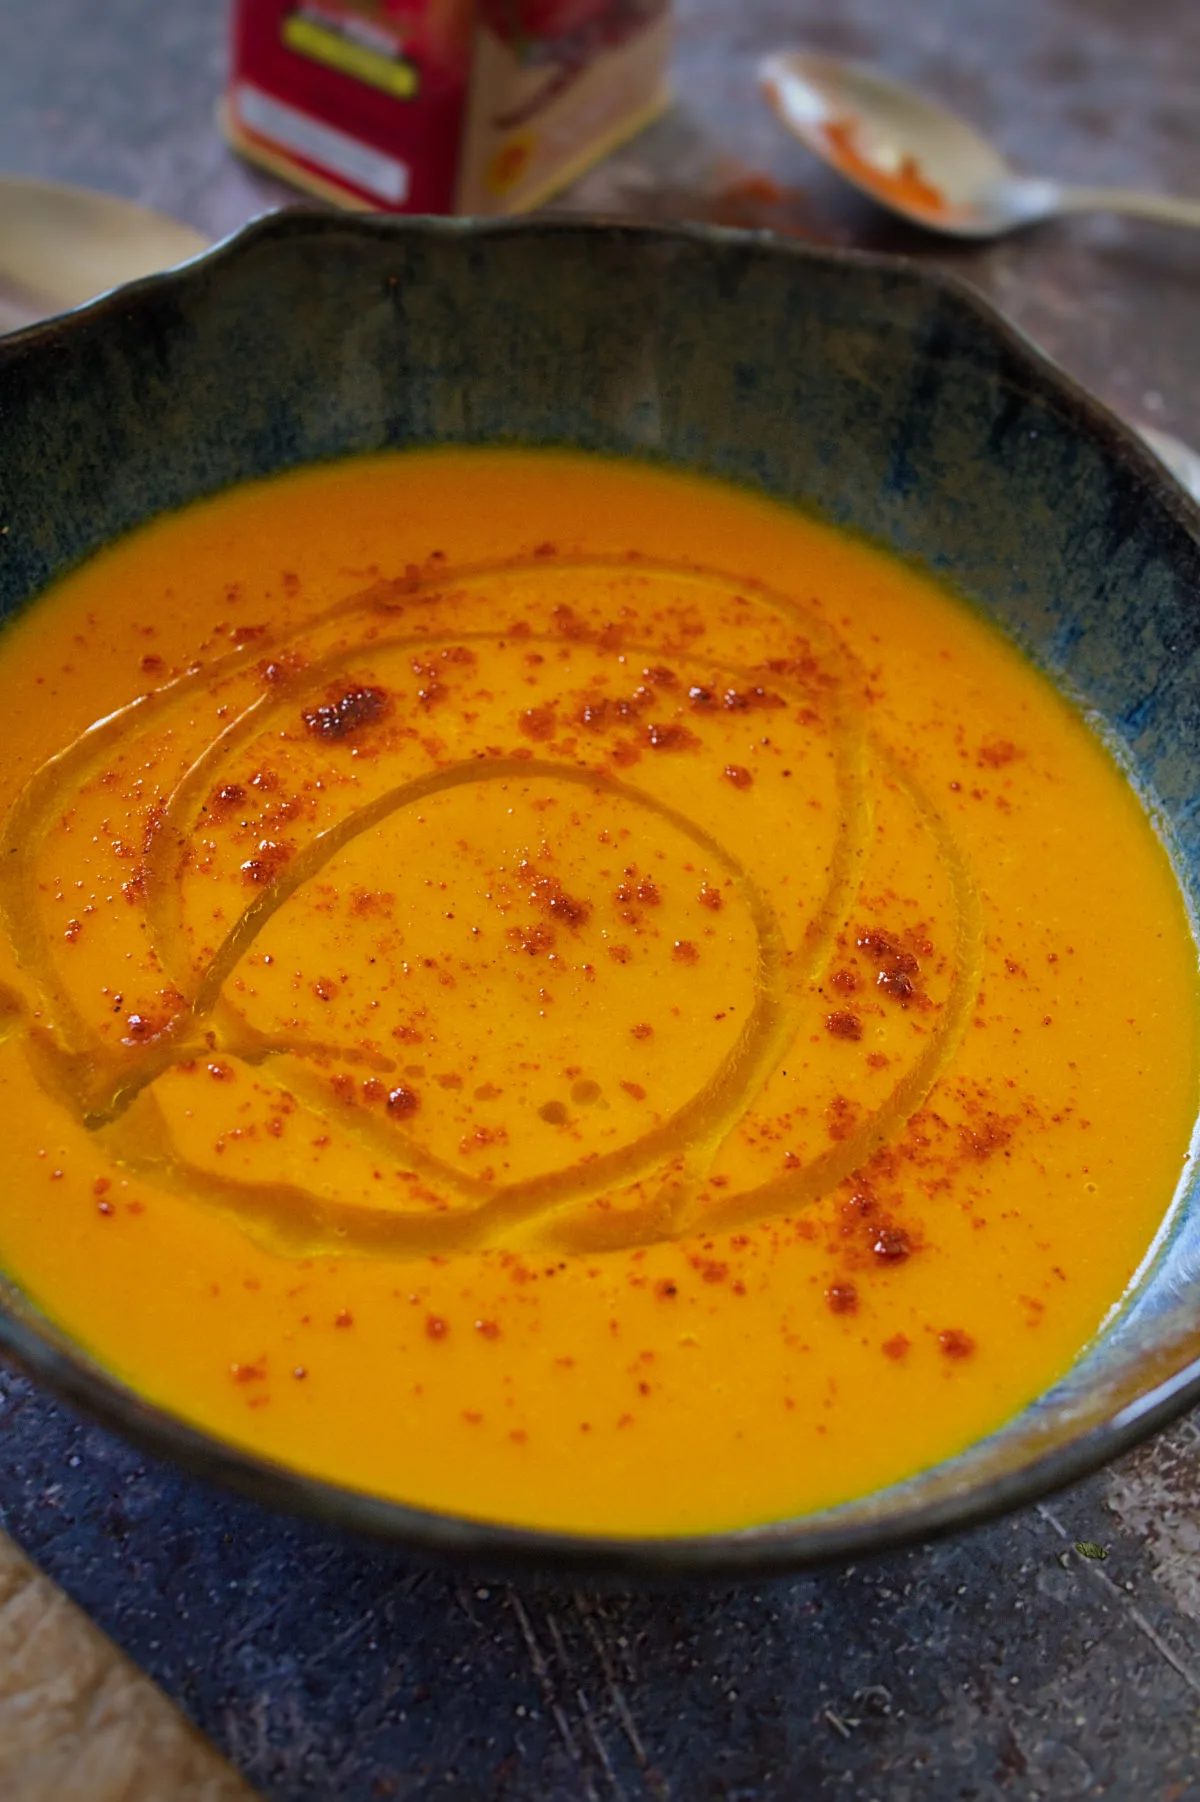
(569, 994)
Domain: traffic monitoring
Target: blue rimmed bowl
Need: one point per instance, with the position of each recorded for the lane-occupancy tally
(890, 399)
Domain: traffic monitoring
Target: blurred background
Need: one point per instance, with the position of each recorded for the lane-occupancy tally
(125, 96)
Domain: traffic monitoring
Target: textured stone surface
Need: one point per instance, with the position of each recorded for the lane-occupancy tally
(1002, 1664)
(997, 1666)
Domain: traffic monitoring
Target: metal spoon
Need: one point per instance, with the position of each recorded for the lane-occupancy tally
(60, 247)
(913, 156)
(1180, 458)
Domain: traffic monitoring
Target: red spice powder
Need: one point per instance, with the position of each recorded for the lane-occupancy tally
(896, 969)
(891, 1245)
(754, 200)
(843, 1025)
(346, 713)
(538, 723)
(267, 862)
(671, 736)
(907, 185)
(548, 892)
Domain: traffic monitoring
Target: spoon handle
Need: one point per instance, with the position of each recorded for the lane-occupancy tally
(1167, 207)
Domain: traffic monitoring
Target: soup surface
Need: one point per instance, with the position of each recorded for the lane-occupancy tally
(569, 994)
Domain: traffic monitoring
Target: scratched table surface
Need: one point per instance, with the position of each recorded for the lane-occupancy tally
(1003, 1664)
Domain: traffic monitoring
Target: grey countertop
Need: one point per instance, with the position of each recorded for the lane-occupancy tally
(1002, 1664)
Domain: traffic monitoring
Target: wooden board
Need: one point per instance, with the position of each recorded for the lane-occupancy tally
(78, 1721)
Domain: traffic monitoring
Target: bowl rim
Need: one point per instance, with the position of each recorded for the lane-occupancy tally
(31, 1342)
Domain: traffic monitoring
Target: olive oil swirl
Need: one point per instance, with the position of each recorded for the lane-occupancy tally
(112, 1089)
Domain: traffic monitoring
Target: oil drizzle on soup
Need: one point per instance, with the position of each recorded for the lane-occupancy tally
(566, 993)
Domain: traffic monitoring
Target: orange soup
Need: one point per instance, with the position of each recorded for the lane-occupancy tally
(569, 994)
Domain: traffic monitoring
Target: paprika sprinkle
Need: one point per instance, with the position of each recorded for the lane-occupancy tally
(649, 1006)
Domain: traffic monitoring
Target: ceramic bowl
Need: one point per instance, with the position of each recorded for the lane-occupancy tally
(891, 399)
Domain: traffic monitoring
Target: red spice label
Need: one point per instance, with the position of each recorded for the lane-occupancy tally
(431, 106)
(368, 97)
